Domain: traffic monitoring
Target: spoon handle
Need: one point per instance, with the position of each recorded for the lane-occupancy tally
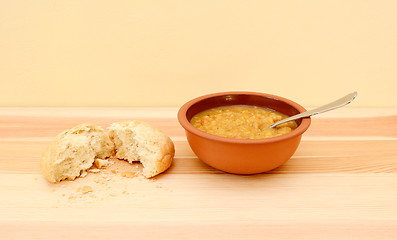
(330, 106)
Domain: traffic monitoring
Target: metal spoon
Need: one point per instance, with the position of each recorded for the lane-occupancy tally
(330, 106)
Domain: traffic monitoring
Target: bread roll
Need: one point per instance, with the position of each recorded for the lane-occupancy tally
(140, 141)
(73, 152)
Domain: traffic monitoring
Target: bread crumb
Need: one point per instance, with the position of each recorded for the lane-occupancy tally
(128, 174)
(142, 178)
(101, 163)
(121, 182)
(83, 174)
(85, 189)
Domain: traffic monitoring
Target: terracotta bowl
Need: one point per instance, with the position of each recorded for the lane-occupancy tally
(242, 156)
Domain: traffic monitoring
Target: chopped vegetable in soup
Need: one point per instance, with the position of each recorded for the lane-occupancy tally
(243, 122)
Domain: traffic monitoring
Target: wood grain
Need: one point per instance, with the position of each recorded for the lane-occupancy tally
(340, 184)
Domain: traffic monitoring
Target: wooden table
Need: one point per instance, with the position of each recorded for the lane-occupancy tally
(340, 184)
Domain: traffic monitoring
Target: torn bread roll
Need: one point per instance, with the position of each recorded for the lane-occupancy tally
(73, 152)
(140, 141)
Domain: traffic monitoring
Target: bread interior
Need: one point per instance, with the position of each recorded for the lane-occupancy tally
(79, 152)
(133, 148)
(75, 157)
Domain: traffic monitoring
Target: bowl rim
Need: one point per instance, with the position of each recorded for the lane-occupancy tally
(182, 118)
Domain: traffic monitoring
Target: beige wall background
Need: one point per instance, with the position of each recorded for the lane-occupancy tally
(165, 52)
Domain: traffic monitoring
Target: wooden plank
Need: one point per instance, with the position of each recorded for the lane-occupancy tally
(13, 125)
(311, 157)
(308, 230)
(217, 197)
